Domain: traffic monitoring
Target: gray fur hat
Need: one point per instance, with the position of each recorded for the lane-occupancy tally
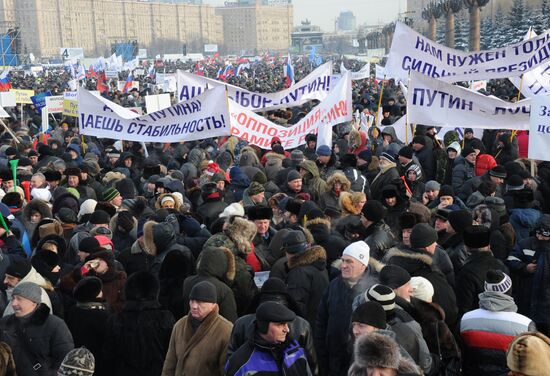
(376, 350)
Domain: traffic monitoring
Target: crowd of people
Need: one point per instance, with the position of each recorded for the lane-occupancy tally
(375, 256)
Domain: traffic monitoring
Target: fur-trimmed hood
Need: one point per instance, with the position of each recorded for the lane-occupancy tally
(348, 200)
(36, 205)
(148, 242)
(241, 232)
(357, 139)
(338, 177)
(217, 262)
(410, 261)
(313, 255)
(272, 155)
(177, 201)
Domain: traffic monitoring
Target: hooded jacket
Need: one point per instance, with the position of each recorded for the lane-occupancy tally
(315, 185)
(488, 331)
(34, 206)
(329, 198)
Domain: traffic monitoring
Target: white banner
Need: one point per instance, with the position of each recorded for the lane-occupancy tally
(434, 102)
(202, 117)
(536, 81)
(380, 72)
(539, 129)
(361, 74)
(410, 51)
(336, 108)
(315, 85)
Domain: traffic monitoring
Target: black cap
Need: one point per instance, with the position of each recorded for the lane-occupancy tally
(467, 151)
(19, 268)
(446, 190)
(90, 245)
(274, 312)
(370, 313)
(99, 217)
(255, 212)
(460, 219)
(373, 210)
(498, 172)
(423, 235)
(394, 276)
(477, 236)
(294, 242)
(204, 292)
(87, 289)
(419, 140)
(406, 151)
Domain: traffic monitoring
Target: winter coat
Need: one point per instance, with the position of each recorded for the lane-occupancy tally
(45, 286)
(455, 248)
(137, 339)
(34, 206)
(201, 351)
(190, 169)
(299, 330)
(470, 280)
(332, 324)
(420, 264)
(332, 243)
(531, 290)
(379, 238)
(524, 221)
(487, 333)
(427, 161)
(384, 177)
(210, 210)
(261, 247)
(87, 323)
(259, 358)
(239, 182)
(326, 170)
(316, 186)
(39, 343)
(217, 266)
(159, 239)
(238, 238)
(273, 164)
(307, 279)
(462, 172)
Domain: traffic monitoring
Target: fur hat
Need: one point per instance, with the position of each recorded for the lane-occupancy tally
(293, 206)
(142, 286)
(460, 219)
(407, 220)
(477, 236)
(256, 212)
(375, 350)
(87, 289)
(529, 354)
(374, 211)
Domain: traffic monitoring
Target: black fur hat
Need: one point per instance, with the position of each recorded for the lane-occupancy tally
(142, 286)
(259, 212)
(87, 289)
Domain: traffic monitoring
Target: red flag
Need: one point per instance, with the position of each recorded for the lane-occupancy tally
(101, 86)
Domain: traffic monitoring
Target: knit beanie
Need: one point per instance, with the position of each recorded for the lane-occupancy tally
(460, 219)
(431, 186)
(406, 151)
(77, 362)
(204, 292)
(29, 290)
(422, 235)
(446, 190)
(373, 210)
(255, 188)
(497, 281)
(370, 313)
(293, 175)
(294, 242)
(383, 295)
(99, 217)
(19, 268)
(394, 276)
(359, 251)
(110, 193)
(422, 289)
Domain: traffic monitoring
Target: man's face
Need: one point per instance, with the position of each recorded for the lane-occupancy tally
(199, 310)
(258, 198)
(416, 146)
(323, 159)
(262, 225)
(351, 268)
(471, 158)
(406, 235)
(276, 332)
(36, 182)
(34, 159)
(290, 218)
(22, 306)
(35, 217)
(72, 181)
(446, 200)
(496, 180)
(220, 185)
(128, 162)
(311, 144)
(432, 195)
(440, 224)
(82, 255)
(391, 201)
(358, 329)
(468, 136)
(403, 160)
(11, 281)
(405, 291)
(117, 201)
(73, 154)
(295, 185)
(112, 160)
(8, 185)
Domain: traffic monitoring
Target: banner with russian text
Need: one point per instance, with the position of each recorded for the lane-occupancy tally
(316, 85)
(434, 102)
(361, 74)
(202, 117)
(411, 51)
(336, 108)
(539, 129)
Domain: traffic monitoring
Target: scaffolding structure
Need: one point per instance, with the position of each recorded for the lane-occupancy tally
(11, 49)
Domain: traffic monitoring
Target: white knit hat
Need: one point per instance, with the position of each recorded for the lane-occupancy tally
(422, 289)
(359, 251)
(232, 210)
(43, 194)
(87, 207)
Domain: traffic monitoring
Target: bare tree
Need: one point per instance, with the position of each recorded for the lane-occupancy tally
(431, 13)
(450, 7)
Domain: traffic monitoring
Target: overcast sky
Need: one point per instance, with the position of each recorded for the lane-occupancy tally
(324, 12)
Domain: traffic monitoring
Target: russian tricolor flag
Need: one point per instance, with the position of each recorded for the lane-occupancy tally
(289, 72)
(128, 83)
(228, 71)
(5, 83)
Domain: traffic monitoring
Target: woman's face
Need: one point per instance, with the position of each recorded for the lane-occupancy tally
(35, 217)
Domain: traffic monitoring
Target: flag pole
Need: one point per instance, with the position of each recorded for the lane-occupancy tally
(379, 109)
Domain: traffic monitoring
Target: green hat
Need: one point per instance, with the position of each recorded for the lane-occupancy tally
(110, 193)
